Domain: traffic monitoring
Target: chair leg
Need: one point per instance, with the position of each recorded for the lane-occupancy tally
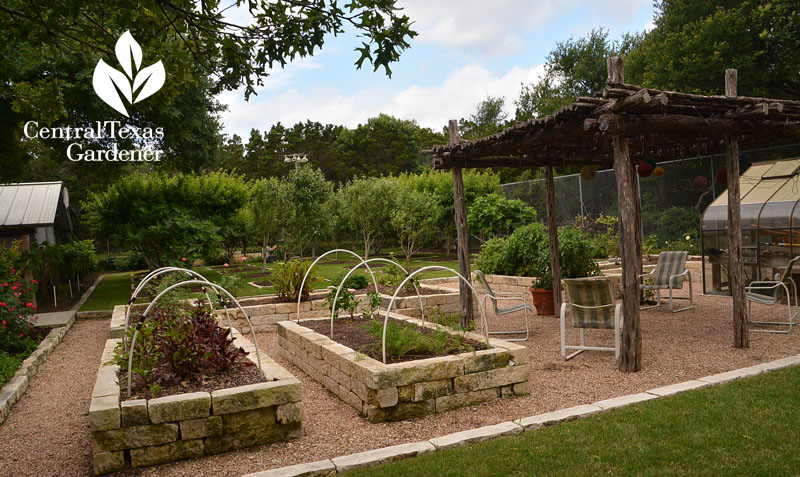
(792, 317)
(563, 332)
(691, 296)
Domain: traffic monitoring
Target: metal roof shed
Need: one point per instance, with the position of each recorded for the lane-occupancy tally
(34, 208)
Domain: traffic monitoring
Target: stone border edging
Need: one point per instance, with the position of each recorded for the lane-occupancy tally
(18, 384)
(388, 454)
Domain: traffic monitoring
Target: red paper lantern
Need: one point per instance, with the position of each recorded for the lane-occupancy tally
(644, 169)
(722, 176)
(658, 171)
(700, 182)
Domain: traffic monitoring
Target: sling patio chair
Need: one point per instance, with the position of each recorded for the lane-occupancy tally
(669, 275)
(507, 296)
(771, 293)
(591, 304)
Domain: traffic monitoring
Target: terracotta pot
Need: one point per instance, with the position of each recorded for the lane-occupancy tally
(543, 301)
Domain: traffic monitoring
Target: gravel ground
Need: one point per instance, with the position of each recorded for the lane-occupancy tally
(676, 348)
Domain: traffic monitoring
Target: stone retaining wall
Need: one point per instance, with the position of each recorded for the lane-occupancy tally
(391, 392)
(143, 432)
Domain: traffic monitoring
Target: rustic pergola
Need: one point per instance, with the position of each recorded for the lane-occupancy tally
(620, 127)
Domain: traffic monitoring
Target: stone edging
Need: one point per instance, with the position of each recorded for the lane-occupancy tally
(402, 451)
(18, 384)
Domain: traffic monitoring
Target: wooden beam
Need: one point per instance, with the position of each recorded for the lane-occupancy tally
(552, 231)
(630, 357)
(656, 124)
(462, 234)
(741, 325)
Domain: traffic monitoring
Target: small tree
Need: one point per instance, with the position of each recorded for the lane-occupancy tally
(367, 204)
(413, 219)
(269, 206)
(308, 191)
(493, 214)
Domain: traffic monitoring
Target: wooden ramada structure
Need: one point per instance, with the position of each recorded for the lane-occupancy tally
(626, 125)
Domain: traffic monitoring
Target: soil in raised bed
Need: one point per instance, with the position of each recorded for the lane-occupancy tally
(385, 290)
(264, 283)
(238, 376)
(352, 333)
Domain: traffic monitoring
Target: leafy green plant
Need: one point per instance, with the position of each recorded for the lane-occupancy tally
(288, 276)
(356, 281)
(373, 306)
(607, 240)
(450, 320)
(347, 301)
(403, 339)
(495, 215)
(174, 347)
(16, 303)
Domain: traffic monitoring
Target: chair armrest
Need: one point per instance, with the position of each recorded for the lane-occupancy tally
(762, 286)
(685, 272)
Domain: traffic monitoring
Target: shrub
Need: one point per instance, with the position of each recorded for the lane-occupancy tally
(16, 303)
(288, 276)
(355, 281)
(175, 346)
(496, 215)
(346, 301)
(78, 258)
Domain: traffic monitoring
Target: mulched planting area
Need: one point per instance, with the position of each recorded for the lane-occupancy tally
(352, 333)
(44, 299)
(238, 376)
(47, 432)
(383, 289)
(264, 283)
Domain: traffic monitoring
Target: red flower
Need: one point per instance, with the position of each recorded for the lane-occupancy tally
(29, 304)
(4, 322)
(21, 335)
(184, 259)
(226, 265)
(35, 282)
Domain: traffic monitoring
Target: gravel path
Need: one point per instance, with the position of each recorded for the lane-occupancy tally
(47, 432)
(676, 347)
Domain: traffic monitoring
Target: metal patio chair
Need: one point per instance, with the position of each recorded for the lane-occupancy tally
(507, 296)
(669, 275)
(591, 304)
(771, 293)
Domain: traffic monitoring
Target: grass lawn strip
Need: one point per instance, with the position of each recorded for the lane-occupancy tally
(746, 427)
(113, 289)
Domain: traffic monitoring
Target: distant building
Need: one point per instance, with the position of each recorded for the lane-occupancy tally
(35, 210)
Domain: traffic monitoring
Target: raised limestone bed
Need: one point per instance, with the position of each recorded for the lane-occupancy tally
(143, 432)
(391, 392)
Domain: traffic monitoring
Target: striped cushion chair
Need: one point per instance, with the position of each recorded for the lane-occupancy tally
(591, 304)
(669, 275)
(771, 293)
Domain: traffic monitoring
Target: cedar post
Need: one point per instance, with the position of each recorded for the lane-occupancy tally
(552, 231)
(741, 324)
(630, 357)
(462, 234)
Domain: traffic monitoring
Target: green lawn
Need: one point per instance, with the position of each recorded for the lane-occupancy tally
(115, 288)
(747, 427)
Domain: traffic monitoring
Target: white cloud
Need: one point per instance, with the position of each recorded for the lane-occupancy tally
(455, 97)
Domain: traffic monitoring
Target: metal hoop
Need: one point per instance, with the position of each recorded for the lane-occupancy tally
(149, 277)
(484, 325)
(336, 298)
(303, 283)
(190, 282)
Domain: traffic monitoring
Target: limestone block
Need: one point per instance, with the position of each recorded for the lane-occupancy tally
(144, 456)
(485, 360)
(381, 456)
(136, 436)
(289, 413)
(401, 374)
(403, 411)
(179, 407)
(346, 395)
(253, 396)
(286, 308)
(476, 435)
(106, 383)
(310, 469)
(405, 393)
(246, 420)
(522, 389)
(339, 377)
(491, 379)
(387, 397)
(550, 418)
(250, 437)
(432, 389)
(203, 427)
(105, 462)
(104, 413)
(445, 403)
(17, 385)
(134, 412)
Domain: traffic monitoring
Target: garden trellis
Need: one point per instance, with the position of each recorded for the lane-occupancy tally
(624, 125)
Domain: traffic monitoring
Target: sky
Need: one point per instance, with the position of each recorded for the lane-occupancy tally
(465, 51)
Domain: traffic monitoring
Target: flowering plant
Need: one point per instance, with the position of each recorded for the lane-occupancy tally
(16, 312)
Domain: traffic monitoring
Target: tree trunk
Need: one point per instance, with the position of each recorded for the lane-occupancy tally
(460, 207)
(552, 232)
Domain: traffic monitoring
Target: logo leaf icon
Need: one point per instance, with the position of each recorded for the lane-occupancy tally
(104, 80)
(152, 78)
(128, 49)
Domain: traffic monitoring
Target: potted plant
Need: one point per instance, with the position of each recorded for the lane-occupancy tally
(542, 292)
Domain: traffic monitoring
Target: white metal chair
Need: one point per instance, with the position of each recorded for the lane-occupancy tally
(591, 304)
(506, 296)
(669, 275)
(771, 293)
